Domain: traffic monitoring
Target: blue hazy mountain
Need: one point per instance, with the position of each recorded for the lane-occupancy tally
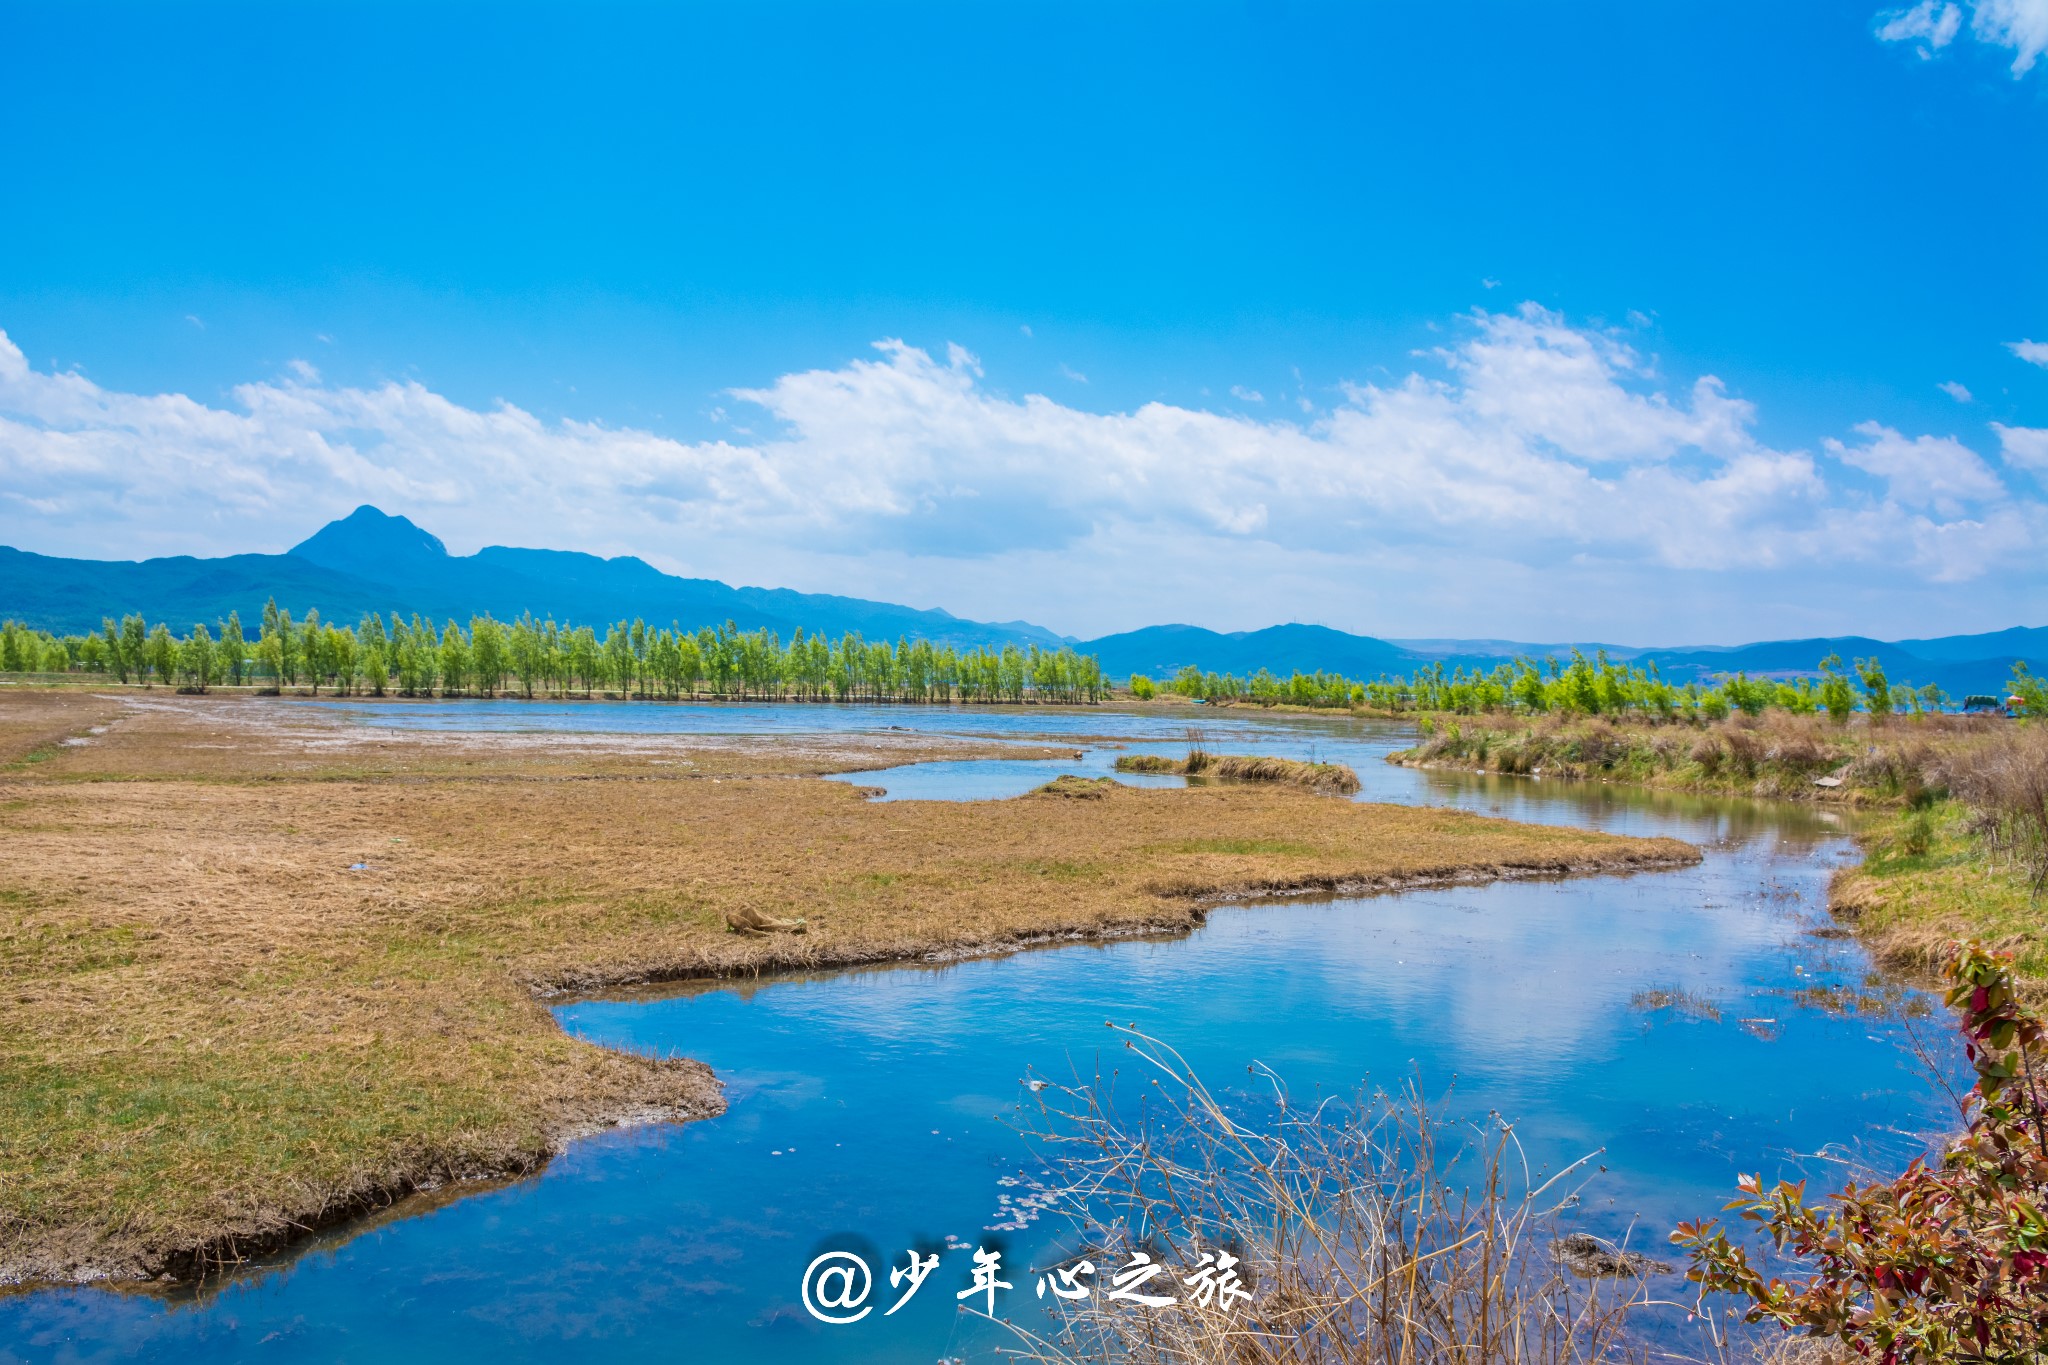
(1159, 651)
(1949, 662)
(369, 561)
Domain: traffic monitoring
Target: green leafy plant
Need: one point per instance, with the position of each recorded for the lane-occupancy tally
(1946, 1262)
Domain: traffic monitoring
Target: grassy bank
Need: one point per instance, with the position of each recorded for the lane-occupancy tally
(1334, 778)
(259, 970)
(1927, 878)
(1971, 865)
(1776, 755)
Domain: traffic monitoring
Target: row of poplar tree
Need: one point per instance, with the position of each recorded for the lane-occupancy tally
(1597, 686)
(533, 658)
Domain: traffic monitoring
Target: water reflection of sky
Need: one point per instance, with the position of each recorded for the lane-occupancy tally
(864, 1105)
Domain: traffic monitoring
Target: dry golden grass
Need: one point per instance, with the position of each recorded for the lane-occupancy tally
(1774, 756)
(1334, 778)
(219, 1031)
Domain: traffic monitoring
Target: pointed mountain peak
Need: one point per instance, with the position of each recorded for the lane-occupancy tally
(370, 544)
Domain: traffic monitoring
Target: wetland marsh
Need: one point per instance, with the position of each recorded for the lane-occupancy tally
(869, 1102)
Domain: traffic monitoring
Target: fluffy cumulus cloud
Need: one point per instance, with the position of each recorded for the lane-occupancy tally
(1528, 459)
(2026, 447)
(2020, 26)
(1924, 471)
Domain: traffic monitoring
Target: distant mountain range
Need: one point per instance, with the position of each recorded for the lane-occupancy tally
(368, 561)
(1958, 664)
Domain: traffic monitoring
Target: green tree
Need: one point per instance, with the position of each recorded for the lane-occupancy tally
(455, 661)
(487, 654)
(160, 651)
(1877, 691)
(196, 660)
(134, 638)
(1836, 695)
(117, 656)
(287, 651)
(234, 650)
(2029, 692)
(370, 640)
(618, 656)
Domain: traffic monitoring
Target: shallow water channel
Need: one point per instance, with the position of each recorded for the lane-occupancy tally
(869, 1109)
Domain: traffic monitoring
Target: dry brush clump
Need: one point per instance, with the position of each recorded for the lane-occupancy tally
(2005, 786)
(1334, 778)
(1371, 1233)
(1968, 857)
(1776, 754)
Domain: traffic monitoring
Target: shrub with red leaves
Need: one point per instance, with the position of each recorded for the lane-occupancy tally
(1945, 1263)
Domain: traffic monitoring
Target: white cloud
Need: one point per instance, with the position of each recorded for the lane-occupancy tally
(2021, 25)
(1070, 372)
(1932, 22)
(2033, 352)
(1245, 395)
(1528, 449)
(1926, 471)
(2023, 446)
(1954, 390)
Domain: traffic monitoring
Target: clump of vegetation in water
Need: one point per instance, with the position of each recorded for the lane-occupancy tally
(1336, 778)
(1945, 1262)
(1372, 1231)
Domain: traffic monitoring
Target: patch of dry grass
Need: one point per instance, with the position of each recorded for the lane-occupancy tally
(1775, 755)
(286, 981)
(1333, 778)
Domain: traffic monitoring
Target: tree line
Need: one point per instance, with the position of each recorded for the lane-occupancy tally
(1597, 686)
(541, 658)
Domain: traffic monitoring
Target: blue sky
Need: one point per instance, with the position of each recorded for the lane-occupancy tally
(1400, 313)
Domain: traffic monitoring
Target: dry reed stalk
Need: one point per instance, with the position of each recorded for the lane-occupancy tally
(1374, 1232)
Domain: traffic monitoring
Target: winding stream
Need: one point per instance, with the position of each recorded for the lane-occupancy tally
(866, 1106)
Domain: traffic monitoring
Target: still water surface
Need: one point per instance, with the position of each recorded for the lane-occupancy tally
(868, 1109)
